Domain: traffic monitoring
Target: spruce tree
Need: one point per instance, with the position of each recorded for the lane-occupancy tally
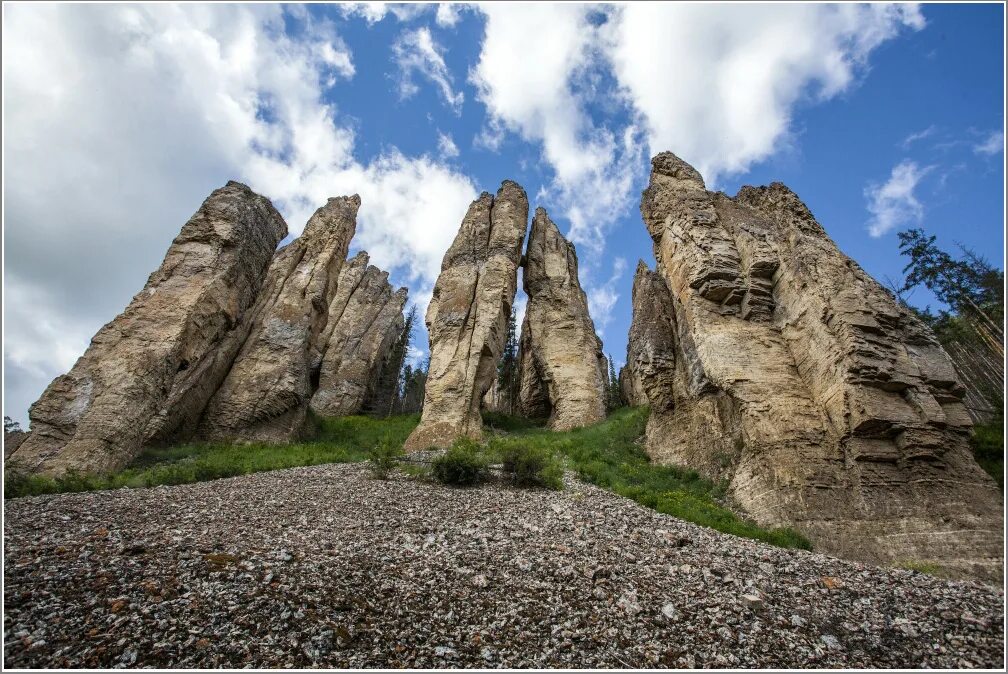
(507, 367)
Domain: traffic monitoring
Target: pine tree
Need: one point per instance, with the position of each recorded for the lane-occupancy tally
(507, 368)
(615, 396)
(387, 396)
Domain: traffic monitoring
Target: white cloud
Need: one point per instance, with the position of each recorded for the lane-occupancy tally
(120, 120)
(542, 96)
(448, 14)
(416, 51)
(718, 85)
(893, 203)
(447, 146)
(919, 135)
(992, 145)
(602, 299)
(373, 12)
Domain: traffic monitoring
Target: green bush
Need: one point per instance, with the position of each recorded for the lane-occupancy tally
(384, 456)
(988, 448)
(464, 464)
(532, 466)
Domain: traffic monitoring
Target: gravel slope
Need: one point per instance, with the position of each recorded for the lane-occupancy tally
(326, 566)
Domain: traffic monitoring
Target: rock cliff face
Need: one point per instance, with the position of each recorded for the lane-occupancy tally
(648, 376)
(365, 319)
(266, 393)
(798, 378)
(468, 315)
(562, 370)
(153, 368)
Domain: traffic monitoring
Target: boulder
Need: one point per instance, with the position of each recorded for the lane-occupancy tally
(825, 404)
(365, 320)
(563, 373)
(151, 370)
(468, 315)
(265, 396)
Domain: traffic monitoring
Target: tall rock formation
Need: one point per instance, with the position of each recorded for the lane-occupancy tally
(563, 373)
(266, 394)
(827, 405)
(647, 377)
(365, 319)
(468, 315)
(153, 368)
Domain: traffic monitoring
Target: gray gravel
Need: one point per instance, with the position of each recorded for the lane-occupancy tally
(324, 566)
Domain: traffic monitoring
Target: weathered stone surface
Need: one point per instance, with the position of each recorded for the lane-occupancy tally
(152, 369)
(648, 376)
(798, 378)
(468, 315)
(12, 440)
(562, 369)
(265, 396)
(365, 319)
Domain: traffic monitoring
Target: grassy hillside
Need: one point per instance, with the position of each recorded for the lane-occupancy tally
(606, 454)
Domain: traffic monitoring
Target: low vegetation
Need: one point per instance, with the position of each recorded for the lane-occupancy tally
(343, 440)
(463, 465)
(988, 448)
(606, 454)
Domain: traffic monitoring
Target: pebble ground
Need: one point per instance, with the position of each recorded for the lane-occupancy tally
(325, 566)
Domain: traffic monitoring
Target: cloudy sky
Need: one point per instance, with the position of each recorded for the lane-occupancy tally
(120, 119)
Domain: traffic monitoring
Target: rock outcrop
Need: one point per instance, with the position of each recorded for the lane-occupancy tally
(153, 368)
(265, 395)
(648, 376)
(468, 315)
(798, 378)
(12, 440)
(562, 370)
(365, 319)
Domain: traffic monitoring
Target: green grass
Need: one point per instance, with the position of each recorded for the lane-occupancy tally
(988, 448)
(921, 567)
(341, 440)
(607, 454)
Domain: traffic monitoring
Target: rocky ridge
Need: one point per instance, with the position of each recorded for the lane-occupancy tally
(798, 379)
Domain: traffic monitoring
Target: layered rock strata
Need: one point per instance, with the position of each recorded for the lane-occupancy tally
(365, 319)
(153, 368)
(468, 315)
(827, 405)
(265, 395)
(562, 370)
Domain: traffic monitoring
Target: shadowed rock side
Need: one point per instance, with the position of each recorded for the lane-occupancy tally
(648, 376)
(468, 315)
(561, 367)
(827, 405)
(265, 395)
(365, 318)
(153, 367)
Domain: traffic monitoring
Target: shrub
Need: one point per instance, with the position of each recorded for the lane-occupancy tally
(532, 466)
(462, 465)
(384, 456)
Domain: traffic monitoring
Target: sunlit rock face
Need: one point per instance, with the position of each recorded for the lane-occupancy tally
(779, 365)
(148, 374)
(563, 373)
(468, 315)
(266, 394)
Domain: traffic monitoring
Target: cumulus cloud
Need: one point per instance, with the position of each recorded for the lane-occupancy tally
(542, 98)
(448, 14)
(893, 202)
(718, 87)
(121, 119)
(416, 52)
(373, 12)
(446, 146)
(993, 144)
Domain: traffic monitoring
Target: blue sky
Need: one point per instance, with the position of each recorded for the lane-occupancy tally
(119, 120)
